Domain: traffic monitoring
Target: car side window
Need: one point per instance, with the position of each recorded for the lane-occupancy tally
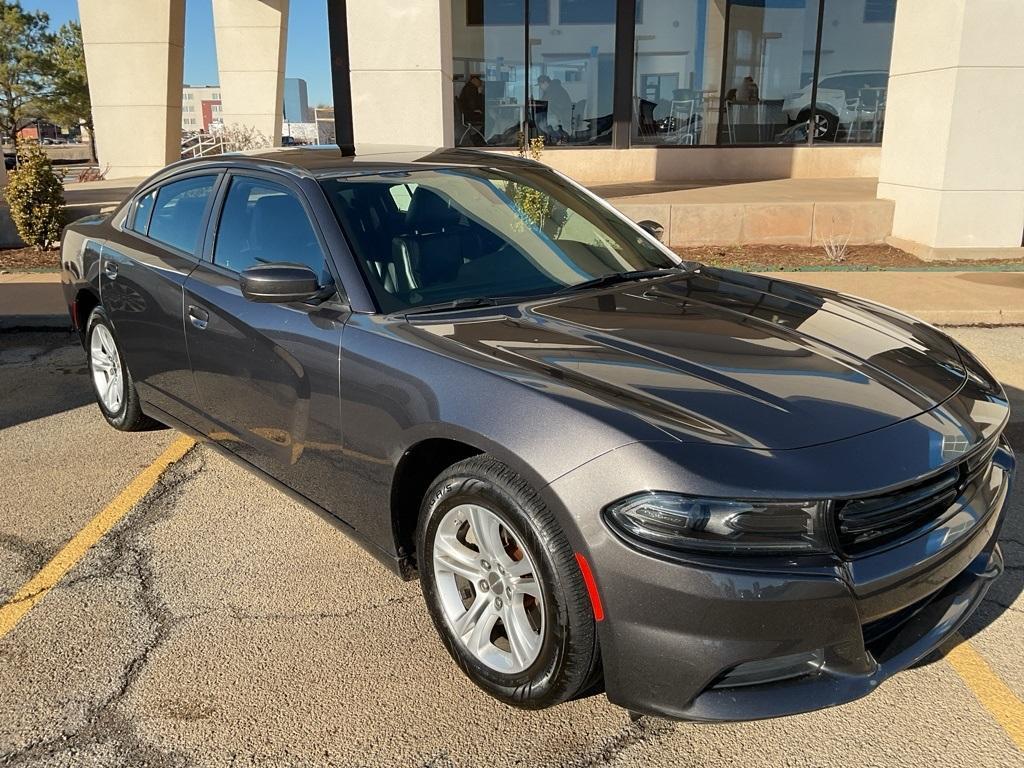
(264, 223)
(178, 214)
(143, 210)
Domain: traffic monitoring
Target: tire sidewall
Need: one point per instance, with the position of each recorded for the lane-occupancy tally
(539, 682)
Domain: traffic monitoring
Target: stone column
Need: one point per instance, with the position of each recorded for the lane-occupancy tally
(134, 56)
(952, 156)
(400, 56)
(251, 38)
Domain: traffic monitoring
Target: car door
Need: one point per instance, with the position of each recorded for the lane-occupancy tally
(268, 375)
(143, 269)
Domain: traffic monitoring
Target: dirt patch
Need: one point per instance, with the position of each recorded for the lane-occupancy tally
(20, 259)
(787, 258)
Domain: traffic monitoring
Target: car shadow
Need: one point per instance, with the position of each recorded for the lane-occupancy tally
(42, 373)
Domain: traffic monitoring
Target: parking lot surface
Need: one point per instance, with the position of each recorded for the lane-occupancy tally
(220, 624)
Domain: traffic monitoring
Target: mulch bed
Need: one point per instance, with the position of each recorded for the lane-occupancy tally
(21, 259)
(786, 258)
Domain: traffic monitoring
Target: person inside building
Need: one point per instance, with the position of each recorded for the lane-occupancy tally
(471, 102)
(559, 114)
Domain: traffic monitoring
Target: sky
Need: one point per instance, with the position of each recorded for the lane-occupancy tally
(308, 50)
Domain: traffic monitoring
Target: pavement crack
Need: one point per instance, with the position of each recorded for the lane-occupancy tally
(298, 617)
(127, 558)
(643, 731)
(31, 554)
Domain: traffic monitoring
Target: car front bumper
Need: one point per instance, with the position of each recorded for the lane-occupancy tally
(699, 641)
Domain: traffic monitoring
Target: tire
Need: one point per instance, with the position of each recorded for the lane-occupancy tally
(533, 577)
(118, 400)
(825, 125)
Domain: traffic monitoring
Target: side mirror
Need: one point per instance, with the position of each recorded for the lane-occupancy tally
(652, 228)
(279, 283)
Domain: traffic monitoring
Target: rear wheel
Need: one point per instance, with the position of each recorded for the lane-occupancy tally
(503, 587)
(111, 381)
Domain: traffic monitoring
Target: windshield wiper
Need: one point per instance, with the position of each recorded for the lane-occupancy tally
(617, 277)
(464, 303)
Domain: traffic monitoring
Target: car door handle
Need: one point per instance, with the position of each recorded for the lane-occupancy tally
(199, 317)
(110, 269)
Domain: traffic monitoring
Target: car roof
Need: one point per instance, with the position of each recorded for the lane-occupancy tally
(328, 160)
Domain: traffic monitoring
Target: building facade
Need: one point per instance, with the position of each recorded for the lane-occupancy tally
(296, 101)
(200, 108)
(918, 93)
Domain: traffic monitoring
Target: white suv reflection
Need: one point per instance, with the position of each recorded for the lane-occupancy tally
(845, 99)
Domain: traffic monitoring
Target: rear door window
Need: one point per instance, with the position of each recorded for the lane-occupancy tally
(178, 214)
(143, 210)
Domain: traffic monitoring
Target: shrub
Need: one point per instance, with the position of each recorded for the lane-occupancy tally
(239, 138)
(535, 207)
(35, 196)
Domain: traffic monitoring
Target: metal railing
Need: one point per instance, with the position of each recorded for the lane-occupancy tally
(202, 145)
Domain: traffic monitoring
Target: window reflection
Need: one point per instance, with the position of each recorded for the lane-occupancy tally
(489, 69)
(856, 42)
(678, 69)
(572, 72)
(704, 71)
(769, 55)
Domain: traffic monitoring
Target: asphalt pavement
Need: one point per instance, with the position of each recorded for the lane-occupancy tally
(220, 624)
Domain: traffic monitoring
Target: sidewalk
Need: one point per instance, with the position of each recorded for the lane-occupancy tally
(939, 298)
(32, 300)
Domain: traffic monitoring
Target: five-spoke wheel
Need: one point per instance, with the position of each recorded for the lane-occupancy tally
(107, 370)
(503, 586)
(488, 588)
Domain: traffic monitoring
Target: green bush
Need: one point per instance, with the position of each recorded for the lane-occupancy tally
(35, 196)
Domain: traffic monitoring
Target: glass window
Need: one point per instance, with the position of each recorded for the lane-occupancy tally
(853, 79)
(489, 70)
(769, 65)
(572, 74)
(480, 12)
(178, 214)
(482, 232)
(676, 85)
(264, 223)
(586, 11)
(143, 210)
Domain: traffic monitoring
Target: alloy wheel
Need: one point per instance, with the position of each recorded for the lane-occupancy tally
(107, 370)
(489, 589)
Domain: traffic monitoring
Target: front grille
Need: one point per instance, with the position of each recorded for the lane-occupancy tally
(871, 523)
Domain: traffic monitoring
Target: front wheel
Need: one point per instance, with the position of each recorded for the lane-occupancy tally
(503, 587)
(111, 381)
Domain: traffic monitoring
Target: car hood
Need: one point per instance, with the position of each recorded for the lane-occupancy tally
(726, 357)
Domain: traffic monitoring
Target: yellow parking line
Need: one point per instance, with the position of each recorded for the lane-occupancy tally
(36, 588)
(992, 692)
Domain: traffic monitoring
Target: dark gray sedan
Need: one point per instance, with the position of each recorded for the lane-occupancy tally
(712, 495)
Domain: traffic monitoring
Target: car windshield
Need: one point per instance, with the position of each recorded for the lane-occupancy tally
(462, 235)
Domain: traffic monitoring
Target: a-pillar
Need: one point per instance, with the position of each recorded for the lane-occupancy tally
(134, 56)
(952, 156)
(251, 40)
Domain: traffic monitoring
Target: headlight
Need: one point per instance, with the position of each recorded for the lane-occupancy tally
(721, 526)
